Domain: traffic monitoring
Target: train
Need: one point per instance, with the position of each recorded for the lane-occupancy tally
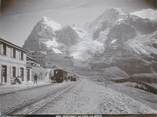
(60, 75)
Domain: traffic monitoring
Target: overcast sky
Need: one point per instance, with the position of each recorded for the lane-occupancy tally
(17, 23)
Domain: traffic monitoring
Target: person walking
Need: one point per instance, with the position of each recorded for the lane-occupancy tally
(17, 80)
(35, 79)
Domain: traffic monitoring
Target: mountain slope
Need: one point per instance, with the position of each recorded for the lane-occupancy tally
(43, 31)
(47, 34)
(130, 42)
(54, 40)
(146, 14)
(105, 21)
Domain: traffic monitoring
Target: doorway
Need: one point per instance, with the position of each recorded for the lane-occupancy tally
(28, 74)
(4, 74)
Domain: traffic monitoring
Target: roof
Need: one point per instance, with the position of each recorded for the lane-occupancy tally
(59, 70)
(13, 45)
(31, 58)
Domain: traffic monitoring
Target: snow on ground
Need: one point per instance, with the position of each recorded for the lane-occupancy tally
(89, 97)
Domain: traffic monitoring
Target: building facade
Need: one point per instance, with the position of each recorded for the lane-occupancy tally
(12, 62)
(31, 64)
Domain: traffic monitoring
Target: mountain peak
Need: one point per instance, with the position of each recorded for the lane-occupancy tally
(44, 19)
(49, 22)
(107, 18)
(113, 13)
(115, 10)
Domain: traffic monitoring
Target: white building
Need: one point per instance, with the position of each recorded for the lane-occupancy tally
(34, 67)
(31, 64)
(12, 62)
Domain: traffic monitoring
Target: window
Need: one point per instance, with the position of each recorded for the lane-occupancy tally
(14, 71)
(1, 48)
(14, 53)
(21, 55)
(11, 52)
(4, 49)
(22, 73)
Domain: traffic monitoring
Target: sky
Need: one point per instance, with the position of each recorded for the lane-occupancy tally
(18, 21)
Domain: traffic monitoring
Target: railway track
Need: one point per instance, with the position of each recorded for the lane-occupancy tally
(25, 89)
(35, 106)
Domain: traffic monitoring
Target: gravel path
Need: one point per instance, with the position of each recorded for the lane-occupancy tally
(81, 97)
(89, 97)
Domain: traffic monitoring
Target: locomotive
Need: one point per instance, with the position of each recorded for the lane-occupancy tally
(61, 75)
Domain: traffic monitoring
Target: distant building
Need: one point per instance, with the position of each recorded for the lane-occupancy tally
(12, 62)
(31, 63)
(40, 57)
(58, 60)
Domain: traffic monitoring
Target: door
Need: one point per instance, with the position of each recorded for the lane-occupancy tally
(4, 74)
(22, 73)
(14, 72)
(28, 74)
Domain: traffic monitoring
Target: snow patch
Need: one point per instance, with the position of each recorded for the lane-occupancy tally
(56, 26)
(113, 41)
(53, 44)
(50, 43)
(143, 45)
(81, 32)
(57, 51)
(146, 14)
(85, 49)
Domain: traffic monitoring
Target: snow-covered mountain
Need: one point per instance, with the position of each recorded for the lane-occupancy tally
(43, 32)
(145, 45)
(146, 14)
(112, 17)
(107, 19)
(62, 41)
(47, 34)
(67, 36)
(115, 38)
(54, 40)
(129, 41)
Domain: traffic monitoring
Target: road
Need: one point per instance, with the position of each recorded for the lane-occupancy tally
(81, 97)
